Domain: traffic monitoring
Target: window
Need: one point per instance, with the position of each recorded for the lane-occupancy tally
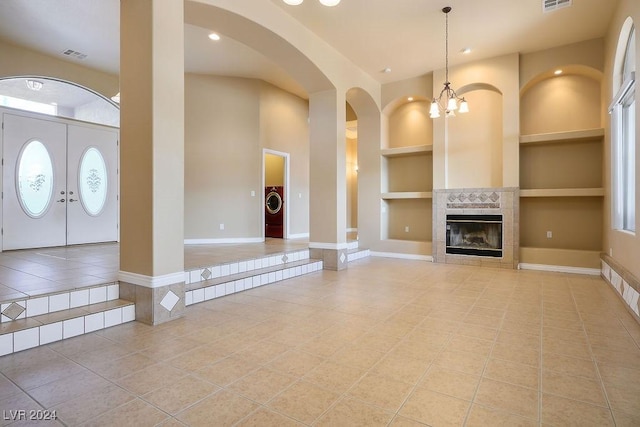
(623, 123)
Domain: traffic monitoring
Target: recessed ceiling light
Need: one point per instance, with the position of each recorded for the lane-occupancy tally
(557, 72)
(386, 70)
(293, 2)
(410, 99)
(214, 37)
(466, 50)
(34, 85)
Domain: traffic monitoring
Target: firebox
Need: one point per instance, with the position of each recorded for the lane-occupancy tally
(478, 235)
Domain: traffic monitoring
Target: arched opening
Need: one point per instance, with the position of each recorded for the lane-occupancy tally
(59, 98)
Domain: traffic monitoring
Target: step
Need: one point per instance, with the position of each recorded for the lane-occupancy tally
(216, 271)
(205, 290)
(357, 253)
(32, 331)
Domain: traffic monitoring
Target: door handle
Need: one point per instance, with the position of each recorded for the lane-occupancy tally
(60, 201)
(73, 200)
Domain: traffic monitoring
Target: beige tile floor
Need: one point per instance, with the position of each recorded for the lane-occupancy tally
(387, 342)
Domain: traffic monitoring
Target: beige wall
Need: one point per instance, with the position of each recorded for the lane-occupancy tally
(409, 124)
(352, 183)
(18, 61)
(624, 247)
(474, 144)
(273, 170)
(228, 123)
(284, 127)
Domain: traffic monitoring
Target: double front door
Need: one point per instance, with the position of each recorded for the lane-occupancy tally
(59, 183)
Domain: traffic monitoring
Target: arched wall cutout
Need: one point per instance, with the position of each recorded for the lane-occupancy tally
(570, 69)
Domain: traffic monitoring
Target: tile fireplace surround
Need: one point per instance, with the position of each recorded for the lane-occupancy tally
(478, 201)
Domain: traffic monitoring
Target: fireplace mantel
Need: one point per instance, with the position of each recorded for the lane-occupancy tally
(478, 201)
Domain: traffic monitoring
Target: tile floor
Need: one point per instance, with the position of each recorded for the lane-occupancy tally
(386, 342)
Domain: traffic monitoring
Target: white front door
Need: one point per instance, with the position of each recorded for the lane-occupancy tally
(92, 185)
(60, 183)
(34, 183)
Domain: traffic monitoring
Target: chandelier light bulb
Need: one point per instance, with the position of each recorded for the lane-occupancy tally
(434, 111)
(464, 106)
(452, 104)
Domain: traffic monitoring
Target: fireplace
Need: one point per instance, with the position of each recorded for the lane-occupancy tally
(477, 235)
(476, 226)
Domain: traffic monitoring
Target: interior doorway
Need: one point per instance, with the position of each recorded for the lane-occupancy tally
(275, 179)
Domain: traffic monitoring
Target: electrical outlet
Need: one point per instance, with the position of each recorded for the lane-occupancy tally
(549, 234)
(299, 195)
(253, 193)
(221, 226)
(406, 229)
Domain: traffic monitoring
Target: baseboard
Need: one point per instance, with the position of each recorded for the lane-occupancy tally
(559, 269)
(298, 236)
(227, 240)
(402, 256)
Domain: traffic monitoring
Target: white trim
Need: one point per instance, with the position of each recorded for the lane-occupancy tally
(352, 230)
(559, 269)
(627, 85)
(428, 258)
(225, 240)
(354, 244)
(298, 236)
(151, 281)
(332, 246)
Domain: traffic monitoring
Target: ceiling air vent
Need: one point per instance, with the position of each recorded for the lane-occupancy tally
(74, 54)
(550, 5)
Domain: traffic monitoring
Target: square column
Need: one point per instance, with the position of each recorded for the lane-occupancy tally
(328, 179)
(152, 157)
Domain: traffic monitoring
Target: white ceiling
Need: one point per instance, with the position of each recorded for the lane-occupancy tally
(404, 35)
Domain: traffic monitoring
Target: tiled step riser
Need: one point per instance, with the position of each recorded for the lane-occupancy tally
(354, 256)
(229, 269)
(56, 331)
(216, 291)
(38, 306)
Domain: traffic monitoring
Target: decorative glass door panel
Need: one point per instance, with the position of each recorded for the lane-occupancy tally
(34, 187)
(35, 179)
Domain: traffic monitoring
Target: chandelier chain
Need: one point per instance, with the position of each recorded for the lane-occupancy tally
(446, 47)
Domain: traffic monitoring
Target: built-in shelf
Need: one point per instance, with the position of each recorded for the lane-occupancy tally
(406, 151)
(407, 195)
(562, 192)
(569, 136)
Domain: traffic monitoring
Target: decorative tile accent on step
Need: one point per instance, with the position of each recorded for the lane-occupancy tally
(169, 301)
(14, 310)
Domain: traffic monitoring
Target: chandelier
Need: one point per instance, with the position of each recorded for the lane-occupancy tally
(323, 2)
(448, 100)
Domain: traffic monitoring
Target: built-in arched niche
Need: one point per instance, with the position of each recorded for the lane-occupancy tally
(475, 139)
(569, 100)
(58, 98)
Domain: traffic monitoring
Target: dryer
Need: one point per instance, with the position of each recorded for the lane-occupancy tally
(274, 212)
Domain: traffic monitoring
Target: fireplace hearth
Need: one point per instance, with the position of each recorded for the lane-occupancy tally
(479, 235)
